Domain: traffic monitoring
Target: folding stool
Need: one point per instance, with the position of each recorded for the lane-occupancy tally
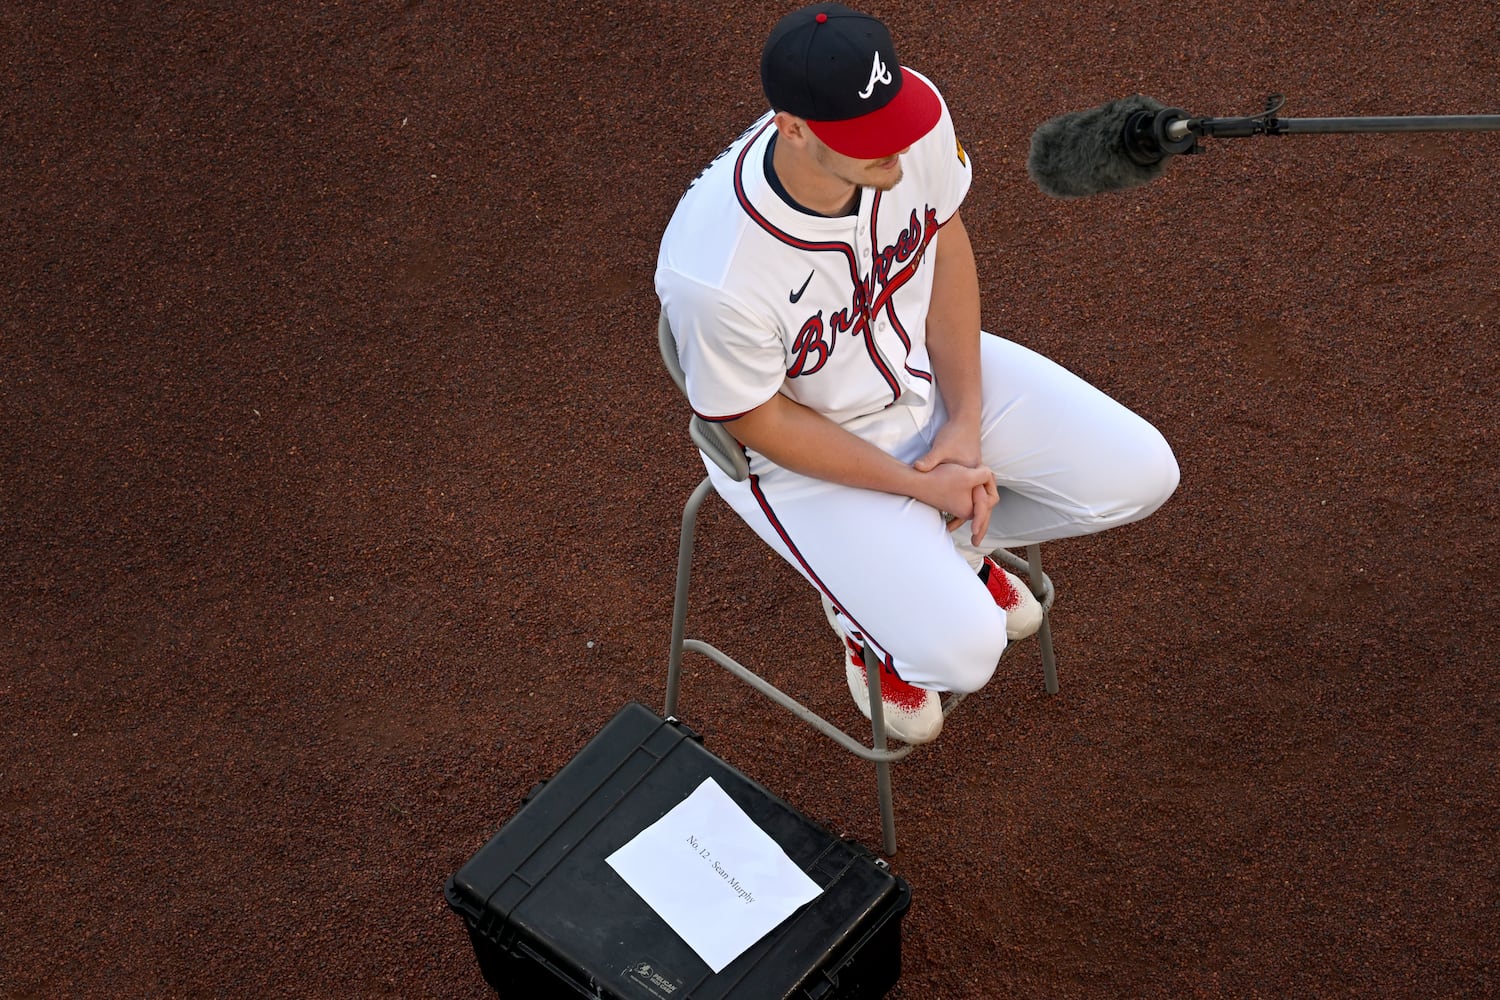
(722, 449)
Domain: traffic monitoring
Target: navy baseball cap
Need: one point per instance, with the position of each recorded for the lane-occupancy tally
(837, 69)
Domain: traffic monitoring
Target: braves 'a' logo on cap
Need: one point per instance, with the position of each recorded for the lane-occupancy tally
(878, 74)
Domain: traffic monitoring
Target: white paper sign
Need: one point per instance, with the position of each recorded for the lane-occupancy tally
(714, 876)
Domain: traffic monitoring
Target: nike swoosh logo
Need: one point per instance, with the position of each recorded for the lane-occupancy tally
(797, 295)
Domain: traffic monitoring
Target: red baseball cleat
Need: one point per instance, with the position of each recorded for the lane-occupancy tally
(1023, 614)
(912, 714)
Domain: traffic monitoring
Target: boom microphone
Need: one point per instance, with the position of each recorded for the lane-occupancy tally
(1108, 148)
(1129, 142)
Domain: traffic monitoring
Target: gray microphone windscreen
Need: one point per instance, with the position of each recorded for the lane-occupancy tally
(1083, 153)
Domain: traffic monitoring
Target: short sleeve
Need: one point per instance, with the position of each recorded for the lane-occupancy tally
(733, 360)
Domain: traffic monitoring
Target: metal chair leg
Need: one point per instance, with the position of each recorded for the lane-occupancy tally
(1049, 663)
(882, 767)
(680, 597)
(887, 807)
(1044, 634)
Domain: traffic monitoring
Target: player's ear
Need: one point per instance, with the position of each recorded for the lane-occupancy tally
(791, 128)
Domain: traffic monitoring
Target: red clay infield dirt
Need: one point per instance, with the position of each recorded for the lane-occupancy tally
(340, 481)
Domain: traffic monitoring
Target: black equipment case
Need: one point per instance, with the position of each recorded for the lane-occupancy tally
(549, 918)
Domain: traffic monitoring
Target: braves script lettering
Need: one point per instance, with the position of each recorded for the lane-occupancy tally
(809, 344)
(815, 341)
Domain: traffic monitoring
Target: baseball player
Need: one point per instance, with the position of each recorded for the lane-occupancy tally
(823, 294)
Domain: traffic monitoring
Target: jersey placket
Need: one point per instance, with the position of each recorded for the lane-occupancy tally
(864, 238)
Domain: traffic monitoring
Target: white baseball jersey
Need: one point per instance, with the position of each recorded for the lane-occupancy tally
(764, 298)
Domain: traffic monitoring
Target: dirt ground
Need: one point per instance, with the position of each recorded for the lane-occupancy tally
(340, 483)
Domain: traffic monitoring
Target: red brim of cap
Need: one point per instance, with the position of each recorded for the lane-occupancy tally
(910, 115)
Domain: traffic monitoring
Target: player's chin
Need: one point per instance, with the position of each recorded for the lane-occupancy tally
(883, 175)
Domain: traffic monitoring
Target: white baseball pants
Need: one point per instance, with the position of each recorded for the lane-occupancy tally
(1068, 459)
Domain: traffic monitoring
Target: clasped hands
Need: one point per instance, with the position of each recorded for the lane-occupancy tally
(958, 483)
